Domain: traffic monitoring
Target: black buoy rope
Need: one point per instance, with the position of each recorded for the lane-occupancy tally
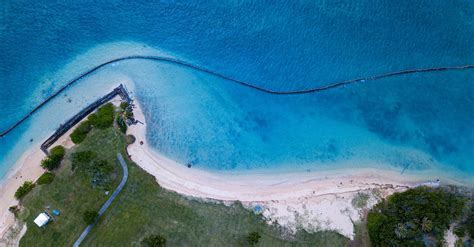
(243, 83)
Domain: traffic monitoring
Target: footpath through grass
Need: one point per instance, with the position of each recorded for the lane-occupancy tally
(142, 209)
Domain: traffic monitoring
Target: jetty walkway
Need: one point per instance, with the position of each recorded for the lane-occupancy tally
(182, 63)
(120, 90)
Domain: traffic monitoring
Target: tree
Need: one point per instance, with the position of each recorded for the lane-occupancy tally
(58, 152)
(426, 225)
(410, 217)
(253, 238)
(104, 117)
(24, 189)
(90, 216)
(46, 178)
(122, 125)
(156, 240)
(80, 133)
(401, 231)
(124, 105)
(53, 160)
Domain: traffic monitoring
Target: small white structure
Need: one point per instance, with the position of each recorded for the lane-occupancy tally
(42, 219)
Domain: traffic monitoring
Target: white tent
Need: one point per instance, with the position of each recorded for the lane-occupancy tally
(42, 219)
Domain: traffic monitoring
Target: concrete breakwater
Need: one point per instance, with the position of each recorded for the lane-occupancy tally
(120, 90)
(326, 86)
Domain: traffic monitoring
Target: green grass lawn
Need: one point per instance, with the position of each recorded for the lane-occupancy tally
(144, 208)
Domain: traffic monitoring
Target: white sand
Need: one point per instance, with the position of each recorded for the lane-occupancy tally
(27, 168)
(450, 237)
(314, 201)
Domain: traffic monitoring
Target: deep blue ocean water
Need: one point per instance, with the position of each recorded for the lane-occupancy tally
(417, 122)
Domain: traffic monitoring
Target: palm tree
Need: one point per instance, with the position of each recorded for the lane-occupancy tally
(401, 231)
(426, 224)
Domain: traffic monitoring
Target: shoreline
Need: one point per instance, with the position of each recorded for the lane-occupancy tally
(308, 199)
(312, 200)
(27, 168)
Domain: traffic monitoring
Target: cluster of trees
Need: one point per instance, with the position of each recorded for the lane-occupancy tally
(103, 118)
(413, 217)
(99, 170)
(54, 158)
(51, 162)
(466, 227)
(80, 133)
(24, 189)
(127, 113)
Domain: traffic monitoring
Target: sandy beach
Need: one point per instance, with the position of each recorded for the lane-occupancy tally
(311, 200)
(27, 168)
(315, 201)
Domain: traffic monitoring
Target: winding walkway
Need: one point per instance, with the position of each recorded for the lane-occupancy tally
(243, 83)
(108, 202)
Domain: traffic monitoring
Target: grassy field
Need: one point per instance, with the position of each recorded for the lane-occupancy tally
(71, 193)
(144, 208)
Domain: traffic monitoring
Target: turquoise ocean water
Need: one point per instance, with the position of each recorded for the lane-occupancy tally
(419, 123)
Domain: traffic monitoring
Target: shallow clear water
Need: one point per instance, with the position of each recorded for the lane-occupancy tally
(415, 122)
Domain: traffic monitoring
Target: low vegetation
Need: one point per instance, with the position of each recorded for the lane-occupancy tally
(90, 216)
(465, 228)
(104, 117)
(53, 160)
(124, 105)
(143, 208)
(24, 189)
(71, 192)
(80, 133)
(253, 238)
(46, 178)
(154, 241)
(360, 200)
(121, 122)
(416, 217)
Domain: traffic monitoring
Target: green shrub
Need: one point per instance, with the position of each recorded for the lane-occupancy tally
(104, 117)
(122, 125)
(57, 152)
(128, 114)
(470, 225)
(82, 157)
(130, 139)
(253, 238)
(467, 226)
(405, 218)
(124, 105)
(46, 178)
(360, 200)
(49, 163)
(90, 216)
(80, 133)
(100, 172)
(53, 160)
(24, 189)
(154, 241)
(14, 210)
